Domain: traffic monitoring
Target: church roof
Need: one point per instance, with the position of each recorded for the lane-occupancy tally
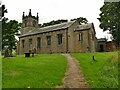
(102, 40)
(49, 28)
(84, 26)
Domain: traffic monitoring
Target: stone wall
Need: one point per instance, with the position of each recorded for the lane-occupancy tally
(101, 46)
(110, 46)
(71, 37)
(81, 46)
(53, 48)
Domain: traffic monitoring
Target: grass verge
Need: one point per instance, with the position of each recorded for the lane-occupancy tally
(101, 72)
(41, 71)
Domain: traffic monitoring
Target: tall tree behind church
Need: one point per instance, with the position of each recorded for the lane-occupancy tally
(110, 19)
(81, 20)
(53, 22)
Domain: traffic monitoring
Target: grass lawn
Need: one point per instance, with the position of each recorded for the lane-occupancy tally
(102, 73)
(41, 71)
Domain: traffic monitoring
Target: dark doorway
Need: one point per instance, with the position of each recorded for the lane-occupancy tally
(101, 48)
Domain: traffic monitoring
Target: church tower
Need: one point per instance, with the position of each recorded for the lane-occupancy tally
(29, 21)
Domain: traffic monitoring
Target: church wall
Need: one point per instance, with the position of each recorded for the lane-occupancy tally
(92, 40)
(81, 46)
(71, 37)
(88, 42)
(53, 48)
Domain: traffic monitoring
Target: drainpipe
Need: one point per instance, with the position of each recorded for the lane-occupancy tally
(67, 40)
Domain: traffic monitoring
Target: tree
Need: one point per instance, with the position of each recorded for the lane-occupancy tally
(81, 20)
(110, 19)
(53, 22)
(9, 31)
(3, 10)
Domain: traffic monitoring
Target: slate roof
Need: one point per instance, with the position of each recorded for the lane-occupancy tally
(49, 28)
(102, 40)
(84, 26)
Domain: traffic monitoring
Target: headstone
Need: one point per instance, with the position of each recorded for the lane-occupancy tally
(7, 53)
(93, 58)
(34, 50)
(27, 54)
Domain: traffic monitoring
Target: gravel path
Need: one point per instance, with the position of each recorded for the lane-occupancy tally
(73, 77)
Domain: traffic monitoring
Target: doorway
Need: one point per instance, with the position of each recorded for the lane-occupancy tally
(101, 48)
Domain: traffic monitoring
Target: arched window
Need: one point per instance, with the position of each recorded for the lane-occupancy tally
(80, 37)
(48, 40)
(59, 38)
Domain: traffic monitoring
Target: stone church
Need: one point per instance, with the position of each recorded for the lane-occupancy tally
(60, 38)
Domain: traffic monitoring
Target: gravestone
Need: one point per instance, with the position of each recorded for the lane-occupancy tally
(34, 50)
(93, 58)
(27, 54)
(7, 53)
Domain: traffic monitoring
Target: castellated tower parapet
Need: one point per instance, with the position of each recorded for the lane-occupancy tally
(29, 20)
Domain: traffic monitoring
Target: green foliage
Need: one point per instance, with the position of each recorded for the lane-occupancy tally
(41, 71)
(53, 23)
(81, 20)
(13, 53)
(9, 30)
(101, 73)
(110, 19)
(109, 73)
(3, 10)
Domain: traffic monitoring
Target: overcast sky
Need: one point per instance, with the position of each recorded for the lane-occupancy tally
(56, 9)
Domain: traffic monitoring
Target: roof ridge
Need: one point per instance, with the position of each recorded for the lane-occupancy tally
(58, 24)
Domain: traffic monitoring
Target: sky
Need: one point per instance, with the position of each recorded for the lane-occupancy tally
(57, 9)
